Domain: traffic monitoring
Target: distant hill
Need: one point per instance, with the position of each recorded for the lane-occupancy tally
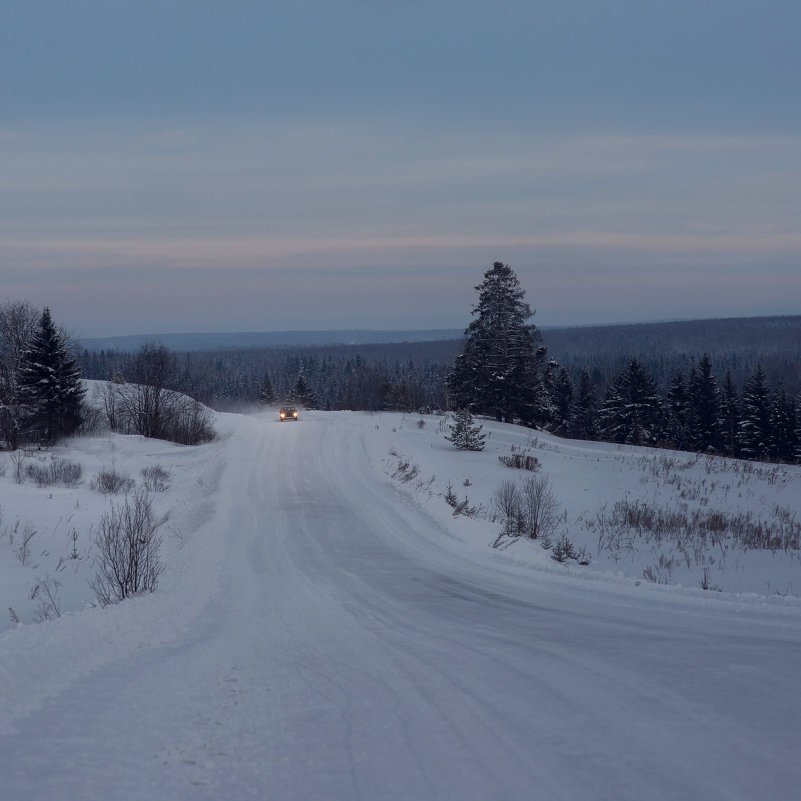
(266, 339)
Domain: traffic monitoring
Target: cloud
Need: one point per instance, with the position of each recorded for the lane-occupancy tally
(224, 222)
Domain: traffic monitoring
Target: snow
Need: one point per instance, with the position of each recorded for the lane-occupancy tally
(324, 630)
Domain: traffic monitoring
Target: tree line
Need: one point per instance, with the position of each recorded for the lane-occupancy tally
(504, 371)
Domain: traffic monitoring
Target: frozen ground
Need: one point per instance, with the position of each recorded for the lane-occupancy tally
(326, 631)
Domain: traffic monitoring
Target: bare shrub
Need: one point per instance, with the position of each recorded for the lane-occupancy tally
(3, 466)
(92, 421)
(706, 582)
(23, 550)
(156, 478)
(540, 507)
(191, 423)
(110, 482)
(72, 536)
(464, 508)
(46, 592)
(39, 473)
(689, 530)
(59, 471)
(141, 402)
(128, 543)
(421, 424)
(520, 461)
(17, 462)
(507, 502)
(404, 471)
(66, 473)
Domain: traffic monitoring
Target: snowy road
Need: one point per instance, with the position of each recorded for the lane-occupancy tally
(344, 656)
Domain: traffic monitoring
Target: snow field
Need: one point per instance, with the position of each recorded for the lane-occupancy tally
(588, 479)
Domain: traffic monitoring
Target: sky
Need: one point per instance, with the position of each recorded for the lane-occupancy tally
(252, 166)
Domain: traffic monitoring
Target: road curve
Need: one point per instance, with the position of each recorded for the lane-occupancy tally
(344, 658)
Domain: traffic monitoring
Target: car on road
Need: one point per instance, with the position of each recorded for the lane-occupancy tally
(288, 413)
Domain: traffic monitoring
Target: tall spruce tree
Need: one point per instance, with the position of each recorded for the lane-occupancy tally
(302, 393)
(783, 426)
(705, 406)
(498, 372)
(755, 423)
(631, 410)
(677, 413)
(562, 401)
(584, 413)
(267, 393)
(730, 417)
(50, 385)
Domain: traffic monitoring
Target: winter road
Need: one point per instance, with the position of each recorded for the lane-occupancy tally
(342, 656)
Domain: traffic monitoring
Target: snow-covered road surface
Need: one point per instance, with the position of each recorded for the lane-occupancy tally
(343, 655)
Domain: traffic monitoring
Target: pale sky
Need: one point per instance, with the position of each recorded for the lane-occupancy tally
(239, 166)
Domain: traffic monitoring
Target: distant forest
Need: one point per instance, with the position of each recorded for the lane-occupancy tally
(410, 376)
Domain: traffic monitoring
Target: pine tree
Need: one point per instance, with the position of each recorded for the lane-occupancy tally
(498, 371)
(783, 414)
(677, 425)
(730, 417)
(705, 407)
(562, 401)
(302, 394)
(50, 384)
(755, 424)
(584, 414)
(631, 409)
(465, 435)
(797, 454)
(267, 394)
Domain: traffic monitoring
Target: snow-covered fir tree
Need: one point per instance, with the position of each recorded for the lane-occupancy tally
(705, 406)
(464, 433)
(498, 372)
(267, 394)
(755, 427)
(584, 411)
(783, 415)
(677, 413)
(631, 410)
(562, 401)
(730, 417)
(302, 394)
(50, 386)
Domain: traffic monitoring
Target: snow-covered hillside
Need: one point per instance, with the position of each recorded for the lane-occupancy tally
(325, 627)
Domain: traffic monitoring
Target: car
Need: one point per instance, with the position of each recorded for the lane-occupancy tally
(288, 413)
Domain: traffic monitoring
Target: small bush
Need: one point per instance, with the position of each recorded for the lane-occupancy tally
(520, 461)
(563, 550)
(59, 471)
(46, 592)
(465, 434)
(421, 424)
(128, 543)
(110, 482)
(156, 478)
